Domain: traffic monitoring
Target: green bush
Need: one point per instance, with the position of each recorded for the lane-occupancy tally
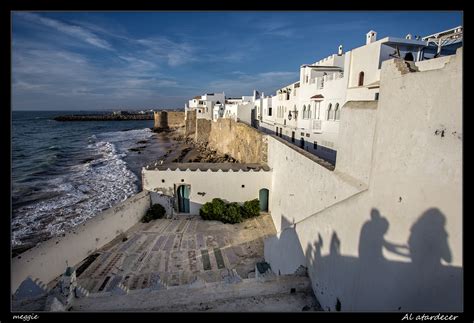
(213, 210)
(157, 211)
(251, 209)
(232, 214)
(218, 210)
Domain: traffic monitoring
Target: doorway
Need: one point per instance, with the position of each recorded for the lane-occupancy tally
(183, 199)
(302, 143)
(263, 199)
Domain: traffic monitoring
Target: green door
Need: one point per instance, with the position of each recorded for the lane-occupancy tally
(263, 198)
(183, 199)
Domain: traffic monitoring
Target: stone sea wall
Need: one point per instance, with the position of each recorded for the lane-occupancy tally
(168, 119)
(227, 137)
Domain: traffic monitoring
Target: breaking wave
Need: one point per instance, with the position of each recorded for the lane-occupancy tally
(82, 191)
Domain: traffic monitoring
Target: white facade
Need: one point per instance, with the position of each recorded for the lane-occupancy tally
(307, 112)
(231, 185)
(204, 104)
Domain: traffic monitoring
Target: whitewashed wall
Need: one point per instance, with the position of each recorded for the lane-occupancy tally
(218, 184)
(413, 201)
(48, 260)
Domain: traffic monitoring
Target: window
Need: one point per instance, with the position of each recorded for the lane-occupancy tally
(276, 131)
(304, 111)
(361, 79)
(315, 145)
(270, 111)
(330, 116)
(318, 105)
(337, 112)
(306, 79)
(309, 112)
(376, 96)
(292, 136)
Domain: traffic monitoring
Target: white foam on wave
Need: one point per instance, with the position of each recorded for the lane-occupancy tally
(86, 190)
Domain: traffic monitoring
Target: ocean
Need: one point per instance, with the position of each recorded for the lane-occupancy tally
(64, 173)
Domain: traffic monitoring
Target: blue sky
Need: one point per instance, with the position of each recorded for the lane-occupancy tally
(105, 60)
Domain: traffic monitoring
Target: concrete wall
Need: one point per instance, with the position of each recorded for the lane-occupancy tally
(238, 140)
(432, 64)
(48, 260)
(356, 139)
(396, 246)
(206, 185)
(168, 119)
(300, 185)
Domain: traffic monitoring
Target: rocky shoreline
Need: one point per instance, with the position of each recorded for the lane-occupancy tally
(188, 151)
(182, 150)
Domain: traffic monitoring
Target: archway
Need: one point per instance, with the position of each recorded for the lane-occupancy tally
(263, 198)
(183, 199)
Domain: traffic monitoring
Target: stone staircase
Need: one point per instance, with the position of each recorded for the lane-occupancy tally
(270, 290)
(405, 67)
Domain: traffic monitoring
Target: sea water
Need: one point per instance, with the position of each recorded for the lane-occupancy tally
(64, 173)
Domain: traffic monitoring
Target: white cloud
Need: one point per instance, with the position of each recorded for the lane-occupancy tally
(74, 31)
(174, 53)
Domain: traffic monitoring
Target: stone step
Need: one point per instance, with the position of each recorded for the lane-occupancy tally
(172, 297)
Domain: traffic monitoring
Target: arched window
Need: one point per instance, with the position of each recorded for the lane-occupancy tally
(337, 112)
(361, 78)
(330, 116)
(304, 111)
(309, 112)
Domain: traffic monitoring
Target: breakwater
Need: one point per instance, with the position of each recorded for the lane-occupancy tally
(104, 117)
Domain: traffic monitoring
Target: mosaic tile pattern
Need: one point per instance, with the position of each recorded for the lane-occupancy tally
(178, 251)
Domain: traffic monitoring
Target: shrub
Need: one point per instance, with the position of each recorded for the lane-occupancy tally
(232, 214)
(213, 210)
(251, 209)
(218, 210)
(157, 211)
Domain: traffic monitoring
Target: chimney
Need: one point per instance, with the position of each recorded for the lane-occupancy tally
(371, 37)
(339, 50)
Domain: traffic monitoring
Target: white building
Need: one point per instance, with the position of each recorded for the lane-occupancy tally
(204, 104)
(216, 105)
(307, 112)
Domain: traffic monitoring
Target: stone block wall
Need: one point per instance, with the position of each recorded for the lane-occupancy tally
(190, 122)
(168, 119)
(238, 140)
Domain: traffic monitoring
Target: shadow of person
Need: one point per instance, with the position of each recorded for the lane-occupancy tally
(428, 241)
(372, 241)
(335, 246)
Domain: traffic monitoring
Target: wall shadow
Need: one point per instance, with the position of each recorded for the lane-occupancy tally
(371, 282)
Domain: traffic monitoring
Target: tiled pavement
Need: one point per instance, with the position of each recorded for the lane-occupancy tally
(177, 252)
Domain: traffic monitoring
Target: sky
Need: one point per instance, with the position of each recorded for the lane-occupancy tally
(137, 60)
